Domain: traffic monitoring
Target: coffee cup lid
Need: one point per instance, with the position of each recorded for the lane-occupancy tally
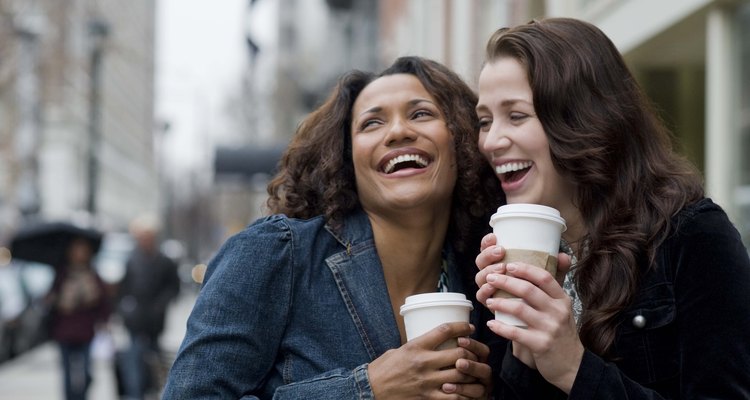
(528, 210)
(436, 299)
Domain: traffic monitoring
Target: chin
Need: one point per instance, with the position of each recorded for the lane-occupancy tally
(521, 199)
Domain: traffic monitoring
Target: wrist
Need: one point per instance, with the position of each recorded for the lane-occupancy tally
(568, 378)
(524, 355)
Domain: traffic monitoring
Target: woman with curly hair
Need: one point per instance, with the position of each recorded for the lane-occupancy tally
(381, 194)
(656, 304)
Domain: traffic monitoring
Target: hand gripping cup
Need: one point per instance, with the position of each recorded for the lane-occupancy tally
(529, 233)
(424, 312)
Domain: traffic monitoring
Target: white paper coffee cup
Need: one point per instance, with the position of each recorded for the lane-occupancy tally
(424, 312)
(529, 233)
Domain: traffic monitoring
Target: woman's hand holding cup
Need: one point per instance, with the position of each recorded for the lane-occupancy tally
(548, 340)
(490, 261)
(417, 370)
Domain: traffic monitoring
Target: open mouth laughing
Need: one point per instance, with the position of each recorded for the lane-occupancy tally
(513, 171)
(405, 161)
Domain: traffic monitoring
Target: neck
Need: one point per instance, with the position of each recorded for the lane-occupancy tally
(575, 229)
(410, 250)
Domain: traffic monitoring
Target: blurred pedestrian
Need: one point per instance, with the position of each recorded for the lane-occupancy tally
(78, 306)
(149, 285)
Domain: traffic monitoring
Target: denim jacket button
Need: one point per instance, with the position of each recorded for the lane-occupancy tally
(639, 321)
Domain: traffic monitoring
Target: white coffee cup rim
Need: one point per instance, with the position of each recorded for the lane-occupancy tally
(437, 299)
(528, 210)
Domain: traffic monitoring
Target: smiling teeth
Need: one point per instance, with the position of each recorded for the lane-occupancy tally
(514, 166)
(404, 158)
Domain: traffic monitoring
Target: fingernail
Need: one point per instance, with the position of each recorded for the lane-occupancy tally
(462, 341)
(497, 251)
(462, 364)
(489, 301)
(510, 267)
(491, 277)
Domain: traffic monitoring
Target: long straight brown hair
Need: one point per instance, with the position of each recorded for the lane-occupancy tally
(606, 138)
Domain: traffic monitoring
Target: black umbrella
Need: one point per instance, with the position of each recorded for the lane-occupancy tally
(48, 242)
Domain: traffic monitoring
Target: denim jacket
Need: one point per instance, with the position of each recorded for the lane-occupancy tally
(290, 310)
(686, 334)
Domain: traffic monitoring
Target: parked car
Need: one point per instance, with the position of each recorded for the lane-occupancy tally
(23, 286)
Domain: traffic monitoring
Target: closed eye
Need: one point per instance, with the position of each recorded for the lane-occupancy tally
(517, 116)
(368, 123)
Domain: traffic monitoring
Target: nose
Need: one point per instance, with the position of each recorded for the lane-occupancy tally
(494, 140)
(398, 131)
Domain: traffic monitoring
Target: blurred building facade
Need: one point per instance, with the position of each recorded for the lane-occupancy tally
(692, 57)
(77, 110)
(297, 49)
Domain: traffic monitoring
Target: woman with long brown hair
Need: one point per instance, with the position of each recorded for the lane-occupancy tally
(657, 302)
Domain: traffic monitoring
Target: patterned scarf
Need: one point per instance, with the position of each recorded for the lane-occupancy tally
(569, 286)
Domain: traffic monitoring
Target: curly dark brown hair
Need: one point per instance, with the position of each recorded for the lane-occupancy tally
(606, 138)
(316, 173)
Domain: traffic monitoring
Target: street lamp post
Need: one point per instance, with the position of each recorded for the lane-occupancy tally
(98, 32)
(28, 31)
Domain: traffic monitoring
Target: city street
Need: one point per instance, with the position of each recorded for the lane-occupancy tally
(36, 375)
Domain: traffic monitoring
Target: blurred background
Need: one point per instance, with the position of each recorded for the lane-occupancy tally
(181, 108)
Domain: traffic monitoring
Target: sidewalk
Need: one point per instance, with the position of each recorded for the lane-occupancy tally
(36, 375)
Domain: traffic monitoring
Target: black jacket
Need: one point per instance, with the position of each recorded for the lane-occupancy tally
(149, 284)
(685, 336)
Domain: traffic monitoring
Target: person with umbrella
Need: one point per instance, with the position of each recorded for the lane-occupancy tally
(79, 304)
(47, 242)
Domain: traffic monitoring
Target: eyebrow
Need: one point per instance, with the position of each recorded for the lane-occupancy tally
(507, 103)
(378, 109)
(372, 110)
